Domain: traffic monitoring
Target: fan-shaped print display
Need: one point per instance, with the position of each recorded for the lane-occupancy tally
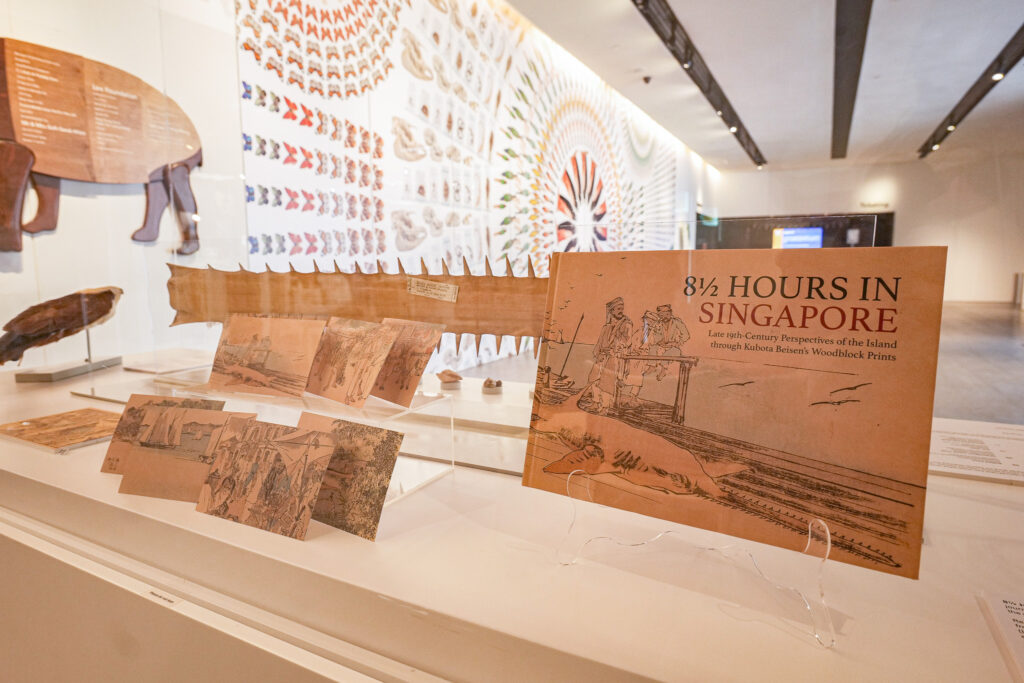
(440, 130)
(582, 207)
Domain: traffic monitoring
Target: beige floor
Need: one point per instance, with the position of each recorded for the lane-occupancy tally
(980, 374)
(981, 363)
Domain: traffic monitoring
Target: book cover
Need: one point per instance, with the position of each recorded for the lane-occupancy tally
(746, 391)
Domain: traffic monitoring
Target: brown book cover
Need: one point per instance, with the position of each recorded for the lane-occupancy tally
(746, 391)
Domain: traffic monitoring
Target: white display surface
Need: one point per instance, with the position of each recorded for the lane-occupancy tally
(463, 583)
(977, 450)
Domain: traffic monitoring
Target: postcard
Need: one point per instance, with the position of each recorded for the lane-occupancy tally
(129, 427)
(406, 360)
(357, 478)
(266, 475)
(349, 358)
(265, 355)
(172, 456)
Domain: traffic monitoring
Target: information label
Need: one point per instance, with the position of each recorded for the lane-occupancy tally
(442, 291)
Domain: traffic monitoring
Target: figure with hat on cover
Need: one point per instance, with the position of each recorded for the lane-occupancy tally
(609, 369)
(668, 339)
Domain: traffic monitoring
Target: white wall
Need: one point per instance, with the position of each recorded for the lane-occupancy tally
(975, 206)
(185, 48)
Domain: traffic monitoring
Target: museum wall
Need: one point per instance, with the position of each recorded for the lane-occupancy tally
(557, 159)
(184, 49)
(442, 130)
(974, 206)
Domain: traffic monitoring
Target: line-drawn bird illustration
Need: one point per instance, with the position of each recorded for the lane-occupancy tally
(835, 403)
(855, 387)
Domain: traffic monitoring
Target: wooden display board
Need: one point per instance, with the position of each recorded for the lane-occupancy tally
(87, 121)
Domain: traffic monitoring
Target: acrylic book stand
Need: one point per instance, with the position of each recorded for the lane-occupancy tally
(732, 567)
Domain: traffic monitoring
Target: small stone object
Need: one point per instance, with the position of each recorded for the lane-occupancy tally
(492, 386)
(449, 379)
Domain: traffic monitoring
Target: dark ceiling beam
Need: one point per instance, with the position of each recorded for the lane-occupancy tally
(664, 22)
(993, 73)
(852, 17)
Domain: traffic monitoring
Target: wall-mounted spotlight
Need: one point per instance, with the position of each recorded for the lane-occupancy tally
(663, 20)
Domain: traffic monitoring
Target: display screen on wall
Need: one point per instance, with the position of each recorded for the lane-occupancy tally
(797, 238)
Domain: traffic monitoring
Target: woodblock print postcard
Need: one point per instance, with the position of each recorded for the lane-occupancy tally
(173, 453)
(265, 355)
(747, 391)
(129, 427)
(266, 475)
(357, 478)
(406, 360)
(350, 356)
(64, 430)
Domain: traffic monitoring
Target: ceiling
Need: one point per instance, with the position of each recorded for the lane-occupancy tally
(774, 60)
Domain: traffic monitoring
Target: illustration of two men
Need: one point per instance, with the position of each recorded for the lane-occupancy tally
(617, 373)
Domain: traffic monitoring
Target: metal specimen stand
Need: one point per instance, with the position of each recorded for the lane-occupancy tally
(55, 373)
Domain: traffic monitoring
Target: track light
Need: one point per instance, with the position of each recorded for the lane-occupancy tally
(732, 129)
(719, 112)
(995, 71)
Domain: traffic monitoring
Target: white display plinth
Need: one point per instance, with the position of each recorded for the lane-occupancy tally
(461, 582)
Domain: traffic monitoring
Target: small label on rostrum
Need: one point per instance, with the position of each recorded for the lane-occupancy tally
(441, 291)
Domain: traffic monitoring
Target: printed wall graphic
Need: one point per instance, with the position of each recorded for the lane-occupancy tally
(130, 427)
(747, 392)
(439, 130)
(265, 355)
(357, 478)
(266, 475)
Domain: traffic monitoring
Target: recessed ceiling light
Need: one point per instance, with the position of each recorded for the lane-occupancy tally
(687, 64)
(998, 76)
(760, 167)
(951, 128)
(935, 147)
(732, 129)
(719, 112)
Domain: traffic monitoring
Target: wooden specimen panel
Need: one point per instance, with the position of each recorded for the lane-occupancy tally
(88, 121)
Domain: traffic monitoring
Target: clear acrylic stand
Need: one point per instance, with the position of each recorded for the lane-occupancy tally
(428, 425)
(807, 609)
